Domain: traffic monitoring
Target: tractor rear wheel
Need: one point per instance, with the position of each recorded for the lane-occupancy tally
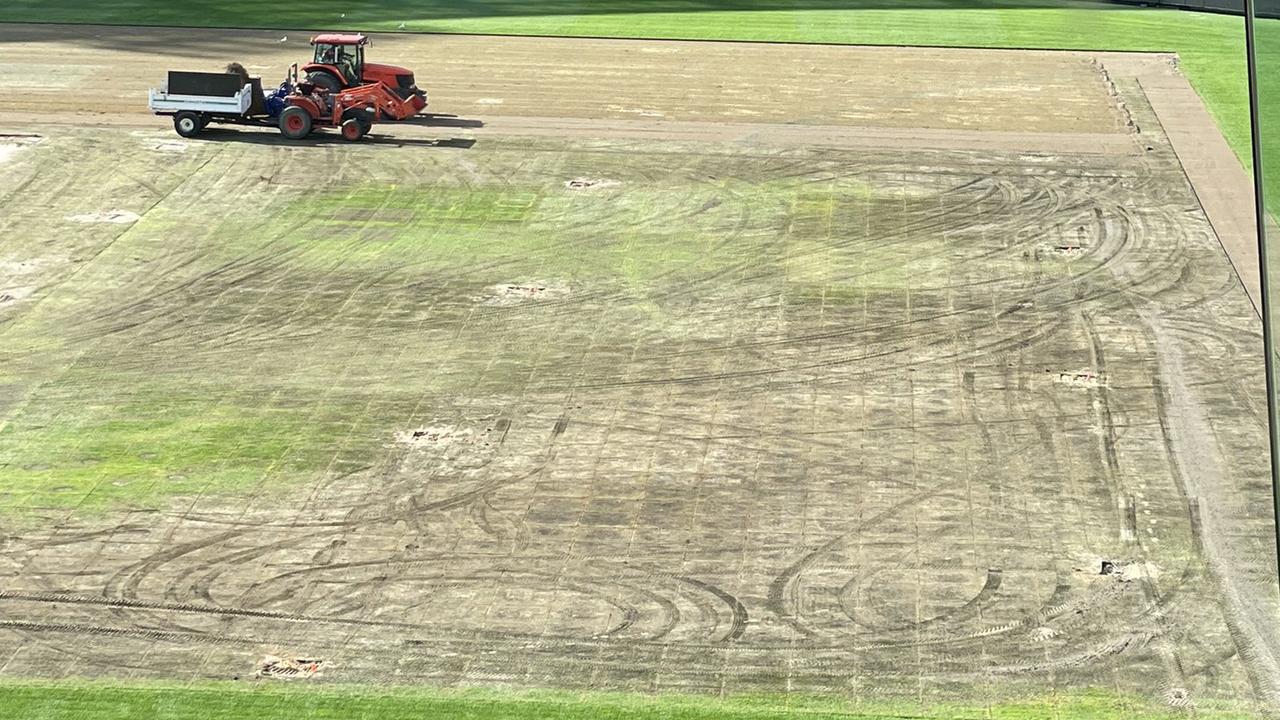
(324, 80)
(352, 130)
(295, 123)
(187, 124)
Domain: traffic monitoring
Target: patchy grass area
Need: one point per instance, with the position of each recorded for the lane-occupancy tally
(76, 700)
(255, 354)
(768, 419)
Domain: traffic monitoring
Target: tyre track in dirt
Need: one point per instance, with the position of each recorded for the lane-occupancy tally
(858, 450)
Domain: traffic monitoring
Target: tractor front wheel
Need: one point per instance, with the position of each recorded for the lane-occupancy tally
(295, 123)
(353, 130)
(187, 124)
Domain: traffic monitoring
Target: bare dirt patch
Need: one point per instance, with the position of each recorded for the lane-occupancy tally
(435, 436)
(169, 146)
(289, 668)
(114, 217)
(1084, 378)
(597, 78)
(516, 293)
(585, 183)
(11, 145)
(14, 294)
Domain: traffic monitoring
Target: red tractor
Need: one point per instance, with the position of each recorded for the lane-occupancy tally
(339, 64)
(352, 110)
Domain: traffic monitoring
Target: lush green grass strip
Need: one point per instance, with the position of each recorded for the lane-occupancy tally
(305, 700)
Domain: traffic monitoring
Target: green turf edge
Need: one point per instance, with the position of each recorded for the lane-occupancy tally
(310, 700)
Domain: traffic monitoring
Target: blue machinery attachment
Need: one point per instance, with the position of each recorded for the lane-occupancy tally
(275, 100)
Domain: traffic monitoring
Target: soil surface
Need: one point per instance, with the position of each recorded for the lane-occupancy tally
(105, 71)
(852, 378)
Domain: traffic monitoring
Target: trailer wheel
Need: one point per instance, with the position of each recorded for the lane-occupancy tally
(295, 123)
(352, 130)
(187, 124)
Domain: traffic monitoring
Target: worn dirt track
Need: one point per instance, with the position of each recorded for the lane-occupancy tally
(843, 377)
(106, 70)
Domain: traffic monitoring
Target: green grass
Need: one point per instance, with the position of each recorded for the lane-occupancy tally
(445, 226)
(147, 448)
(164, 701)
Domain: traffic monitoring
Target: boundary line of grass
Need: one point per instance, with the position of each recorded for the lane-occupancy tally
(75, 699)
(621, 38)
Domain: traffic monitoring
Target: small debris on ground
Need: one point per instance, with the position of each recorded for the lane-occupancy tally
(289, 668)
(512, 293)
(118, 217)
(585, 183)
(1080, 378)
(441, 435)
(432, 435)
(1108, 567)
(1043, 633)
(642, 112)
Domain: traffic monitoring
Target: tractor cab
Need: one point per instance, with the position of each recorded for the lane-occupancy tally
(342, 54)
(339, 64)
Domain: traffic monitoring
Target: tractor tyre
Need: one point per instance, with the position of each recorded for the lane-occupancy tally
(364, 116)
(324, 80)
(295, 123)
(187, 124)
(352, 130)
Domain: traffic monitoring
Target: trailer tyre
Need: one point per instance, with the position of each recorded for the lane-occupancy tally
(295, 123)
(187, 124)
(353, 130)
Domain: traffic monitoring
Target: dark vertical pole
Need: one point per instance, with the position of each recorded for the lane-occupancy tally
(1260, 210)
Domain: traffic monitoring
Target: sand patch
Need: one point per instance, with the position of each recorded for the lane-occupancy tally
(434, 436)
(280, 668)
(11, 145)
(116, 217)
(1079, 378)
(586, 183)
(514, 293)
(14, 294)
